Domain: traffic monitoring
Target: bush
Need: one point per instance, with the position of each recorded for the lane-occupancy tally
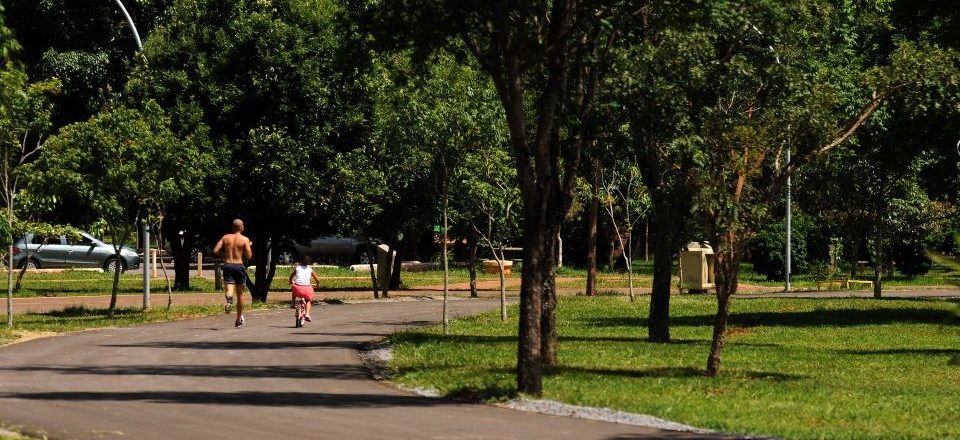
(768, 246)
(910, 259)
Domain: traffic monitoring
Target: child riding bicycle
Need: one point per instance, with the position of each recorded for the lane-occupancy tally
(301, 283)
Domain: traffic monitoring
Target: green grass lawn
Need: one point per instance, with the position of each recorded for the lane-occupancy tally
(944, 273)
(847, 368)
(93, 283)
(80, 318)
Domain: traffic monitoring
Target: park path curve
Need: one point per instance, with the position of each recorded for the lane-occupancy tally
(205, 379)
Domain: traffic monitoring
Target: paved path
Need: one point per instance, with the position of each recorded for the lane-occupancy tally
(204, 379)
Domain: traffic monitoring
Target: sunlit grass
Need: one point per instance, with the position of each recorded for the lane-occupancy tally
(848, 368)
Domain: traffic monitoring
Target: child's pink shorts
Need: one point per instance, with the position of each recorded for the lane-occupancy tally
(305, 292)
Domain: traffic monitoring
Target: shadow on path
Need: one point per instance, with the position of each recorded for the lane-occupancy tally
(350, 372)
(241, 345)
(271, 399)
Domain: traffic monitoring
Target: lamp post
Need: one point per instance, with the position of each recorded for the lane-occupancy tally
(146, 224)
(133, 27)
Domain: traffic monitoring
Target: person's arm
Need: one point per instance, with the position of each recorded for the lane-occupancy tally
(247, 250)
(293, 273)
(316, 279)
(219, 247)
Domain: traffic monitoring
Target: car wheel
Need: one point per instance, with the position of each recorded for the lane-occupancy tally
(362, 257)
(113, 265)
(30, 264)
(287, 257)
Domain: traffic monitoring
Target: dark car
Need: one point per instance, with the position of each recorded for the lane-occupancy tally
(328, 249)
(68, 251)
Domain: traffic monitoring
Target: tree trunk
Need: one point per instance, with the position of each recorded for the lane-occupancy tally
(658, 326)
(372, 253)
(878, 265)
(529, 368)
(446, 269)
(629, 262)
(181, 255)
(472, 243)
(854, 255)
(116, 282)
(163, 266)
(548, 321)
(503, 286)
(398, 263)
(592, 220)
(10, 262)
(264, 270)
(559, 249)
(727, 262)
(646, 240)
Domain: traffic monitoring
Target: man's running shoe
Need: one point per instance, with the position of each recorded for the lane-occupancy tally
(229, 305)
(239, 322)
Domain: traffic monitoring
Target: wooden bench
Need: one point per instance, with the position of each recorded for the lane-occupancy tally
(841, 284)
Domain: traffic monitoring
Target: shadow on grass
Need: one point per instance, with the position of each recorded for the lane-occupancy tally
(909, 351)
(671, 373)
(486, 393)
(836, 318)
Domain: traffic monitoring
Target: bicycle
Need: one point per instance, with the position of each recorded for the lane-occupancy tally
(301, 310)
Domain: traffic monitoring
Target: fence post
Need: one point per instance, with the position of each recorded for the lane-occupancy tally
(200, 264)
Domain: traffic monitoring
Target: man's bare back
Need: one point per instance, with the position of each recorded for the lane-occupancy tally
(235, 247)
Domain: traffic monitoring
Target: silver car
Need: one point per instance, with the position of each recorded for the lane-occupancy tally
(83, 251)
(332, 249)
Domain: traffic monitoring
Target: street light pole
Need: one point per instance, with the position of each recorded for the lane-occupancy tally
(146, 224)
(136, 35)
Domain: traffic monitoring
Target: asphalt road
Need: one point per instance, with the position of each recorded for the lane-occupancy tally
(205, 379)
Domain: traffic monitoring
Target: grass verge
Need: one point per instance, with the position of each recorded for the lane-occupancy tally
(794, 368)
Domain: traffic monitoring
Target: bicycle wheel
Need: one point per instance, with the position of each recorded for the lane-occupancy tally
(300, 307)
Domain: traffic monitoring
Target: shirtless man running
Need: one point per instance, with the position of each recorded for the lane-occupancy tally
(236, 248)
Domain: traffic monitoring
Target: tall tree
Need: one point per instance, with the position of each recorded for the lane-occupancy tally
(776, 86)
(119, 163)
(278, 86)
(24, 124)
(545, 59)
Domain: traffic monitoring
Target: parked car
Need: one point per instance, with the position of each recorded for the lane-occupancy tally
(331, 249)
(71, 252)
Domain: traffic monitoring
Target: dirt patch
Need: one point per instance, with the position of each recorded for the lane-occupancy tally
(27, 335)
(739, 331)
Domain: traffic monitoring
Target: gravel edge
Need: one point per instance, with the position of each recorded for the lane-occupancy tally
(377, 355)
